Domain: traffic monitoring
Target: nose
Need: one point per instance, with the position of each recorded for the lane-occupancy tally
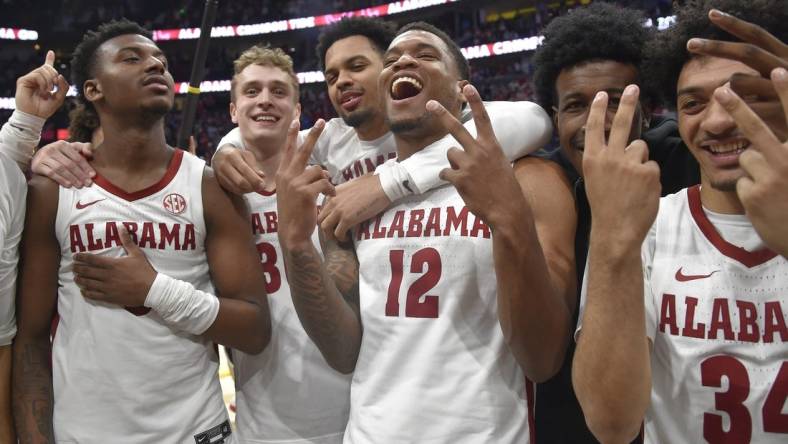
(155, 64)
(716, 120)
(344, 79)
(264, 98)
(404, 61)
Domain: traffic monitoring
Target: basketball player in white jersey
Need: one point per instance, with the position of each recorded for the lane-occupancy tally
(359, 142)
(764, 190)
(133, 358)
(684, 322)
(412, 308)
(288, 393)
(34, 104)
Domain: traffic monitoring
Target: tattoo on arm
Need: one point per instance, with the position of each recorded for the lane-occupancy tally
(326, 300)
(33, 400)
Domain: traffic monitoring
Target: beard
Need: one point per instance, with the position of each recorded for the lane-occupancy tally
(408, 125)
(357, 118)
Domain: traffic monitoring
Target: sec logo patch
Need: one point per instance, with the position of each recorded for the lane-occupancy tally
(174, 203)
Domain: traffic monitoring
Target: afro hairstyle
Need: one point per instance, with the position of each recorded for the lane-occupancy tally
(600, 31)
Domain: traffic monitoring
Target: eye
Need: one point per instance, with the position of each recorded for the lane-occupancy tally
(280, 91)
(251, 92)
(427, 56)
(131, 59)
(690, 106)
(358, 67)
(388, 61)
(573, 106)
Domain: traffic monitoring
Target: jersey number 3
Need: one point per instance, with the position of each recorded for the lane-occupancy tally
(268, 257)
(427, 261)
(712, 371)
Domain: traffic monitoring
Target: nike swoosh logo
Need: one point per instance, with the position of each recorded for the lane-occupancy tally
(81, 206)
(681, 277)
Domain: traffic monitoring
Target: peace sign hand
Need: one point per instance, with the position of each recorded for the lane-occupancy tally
(298, 186)
(622, 185)
(34, 90)
(481, 172)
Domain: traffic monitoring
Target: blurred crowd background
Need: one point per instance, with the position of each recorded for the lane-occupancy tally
(60, 25)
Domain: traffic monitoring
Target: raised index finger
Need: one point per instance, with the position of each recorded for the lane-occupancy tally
(452, 125)
(301, 157)
(50, 58)
(481, 119)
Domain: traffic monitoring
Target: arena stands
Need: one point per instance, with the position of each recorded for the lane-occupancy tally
(499, 77)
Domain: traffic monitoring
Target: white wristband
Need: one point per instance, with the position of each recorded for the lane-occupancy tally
(181, 305)
(394, 180)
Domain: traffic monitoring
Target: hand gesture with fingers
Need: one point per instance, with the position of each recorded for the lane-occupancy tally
(481, 173)
(35, 91)
(764, 191)
(622, 185)
(65, 162)
(298, 186)
(236, 170)
(123, 281)
(759, 50)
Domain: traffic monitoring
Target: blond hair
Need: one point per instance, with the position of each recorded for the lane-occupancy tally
(264, 56)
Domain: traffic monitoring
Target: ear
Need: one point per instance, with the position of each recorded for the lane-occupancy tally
(92, 90)
(555, 117)
(233, 113)
(461, 84)
(298, 111)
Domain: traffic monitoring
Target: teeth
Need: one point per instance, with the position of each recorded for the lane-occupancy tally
(265, 119)
(728, 147)
(410, 80)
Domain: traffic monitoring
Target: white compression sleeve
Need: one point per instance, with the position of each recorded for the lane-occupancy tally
(19, 137)
(181, 305)
(520, 127)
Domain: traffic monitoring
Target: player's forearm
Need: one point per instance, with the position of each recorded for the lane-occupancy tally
(611, 370)
(241, 325)
(532, 311)
(520, 127)
(327, 316)
(33, 400)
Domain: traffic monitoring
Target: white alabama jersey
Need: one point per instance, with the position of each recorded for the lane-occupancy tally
(287, 393)
(347, 157)
(716, 315)
(122, 375)
(433, 365)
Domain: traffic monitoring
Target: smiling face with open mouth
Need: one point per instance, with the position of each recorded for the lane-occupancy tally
(708, 130)
(264, 103)
(417, 68)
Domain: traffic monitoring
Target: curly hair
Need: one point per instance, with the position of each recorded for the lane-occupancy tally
(600, 31)
(82, 122)
(83, 60)
(454, 50)
(379, 32)
(666, 55)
